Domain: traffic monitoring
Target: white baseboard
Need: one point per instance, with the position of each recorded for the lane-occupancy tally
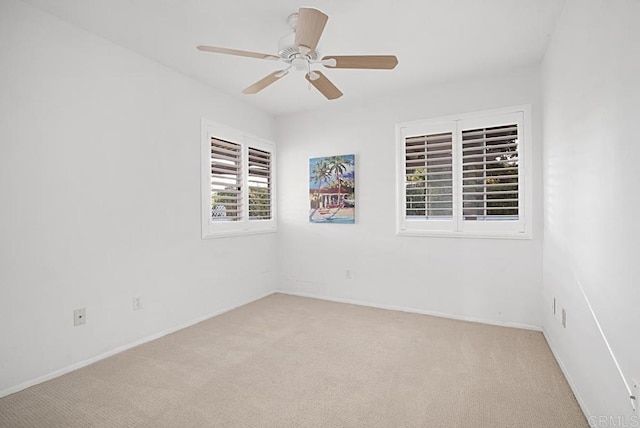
(413, 310)
(76, 366)
(567, 376)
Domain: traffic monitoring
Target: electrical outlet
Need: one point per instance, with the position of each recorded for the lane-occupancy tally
(79, 317)
(554, 306)
(137, 303)
(635, 398)
(347, 274)
(564, 318)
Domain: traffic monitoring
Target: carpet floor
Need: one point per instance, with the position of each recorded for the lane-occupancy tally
(286, 361)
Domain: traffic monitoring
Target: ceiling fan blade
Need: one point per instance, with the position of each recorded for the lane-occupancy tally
(377, 62)
(309, 28)
(264, 82)
(324, 85)
(237, 52)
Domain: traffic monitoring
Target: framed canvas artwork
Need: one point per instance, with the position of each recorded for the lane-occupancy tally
(332, 187)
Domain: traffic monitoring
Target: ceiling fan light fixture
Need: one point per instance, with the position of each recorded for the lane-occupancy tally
(300, 63)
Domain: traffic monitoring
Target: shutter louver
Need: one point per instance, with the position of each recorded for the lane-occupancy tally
(226, 180)
(429, 176)
(259, 178)
(490, 173)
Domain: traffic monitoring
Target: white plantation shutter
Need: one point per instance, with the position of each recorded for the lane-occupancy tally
(259, 180)
(465, 175)
(226, 180)
(490, 173)
(238, 182)
(429, 176)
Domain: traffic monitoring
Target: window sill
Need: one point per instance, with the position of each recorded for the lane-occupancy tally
(235, 233)
(472, 235)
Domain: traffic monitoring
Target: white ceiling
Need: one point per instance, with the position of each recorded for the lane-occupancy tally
(434, 40)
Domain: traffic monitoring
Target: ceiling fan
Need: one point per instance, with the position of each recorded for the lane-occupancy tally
(298, 50)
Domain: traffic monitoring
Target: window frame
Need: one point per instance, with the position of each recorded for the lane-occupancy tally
(246, 225)
(457, 227)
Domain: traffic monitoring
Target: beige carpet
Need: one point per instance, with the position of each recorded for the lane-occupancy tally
(287, 361)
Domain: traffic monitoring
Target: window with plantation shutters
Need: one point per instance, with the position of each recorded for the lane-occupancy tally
(465, 175)
(259, 184)
(237, 182)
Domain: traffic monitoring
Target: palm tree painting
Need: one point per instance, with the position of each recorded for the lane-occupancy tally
(332, 189)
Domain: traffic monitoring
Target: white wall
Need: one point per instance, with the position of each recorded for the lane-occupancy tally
(591, 92)
(99, 177)
(100, 198)
(487, 279)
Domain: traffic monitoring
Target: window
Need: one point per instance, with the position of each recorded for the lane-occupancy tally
(466, 175)
(259, 184)
(237, 183)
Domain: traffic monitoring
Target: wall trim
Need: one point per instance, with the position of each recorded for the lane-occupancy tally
(119, 349)
(567, 376)
(413, 310)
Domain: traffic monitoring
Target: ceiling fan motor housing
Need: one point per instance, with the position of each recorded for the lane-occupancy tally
(289, 52)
